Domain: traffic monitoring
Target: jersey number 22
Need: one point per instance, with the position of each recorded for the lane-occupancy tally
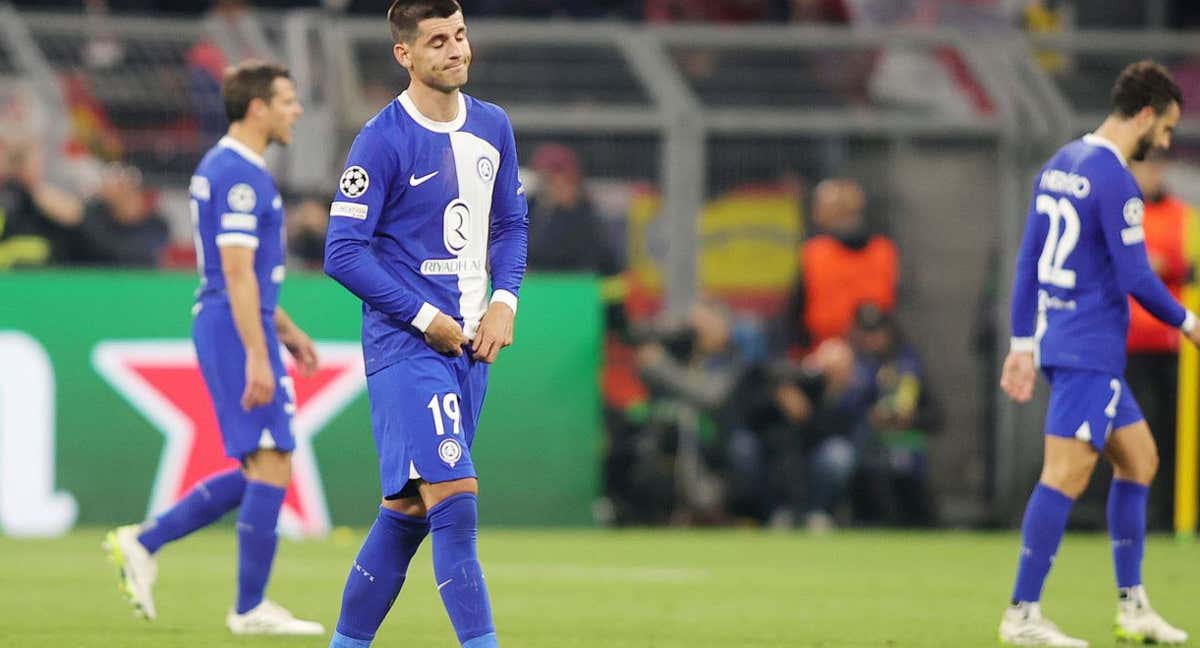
(1060, 241)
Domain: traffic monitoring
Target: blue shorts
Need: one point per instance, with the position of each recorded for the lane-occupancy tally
(223, 363)
(1088, 405)
(424, 411)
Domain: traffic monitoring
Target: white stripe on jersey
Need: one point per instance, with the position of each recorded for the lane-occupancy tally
(239, 221)
(475, 162)
(237, 239)
(199, 188)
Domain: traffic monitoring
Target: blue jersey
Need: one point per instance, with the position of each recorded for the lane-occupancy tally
(234, 202)
(427, 214)
(1081, 254)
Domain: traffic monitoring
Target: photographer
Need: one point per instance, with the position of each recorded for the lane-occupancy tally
(702, 375)
(808, 436)
(893, 485)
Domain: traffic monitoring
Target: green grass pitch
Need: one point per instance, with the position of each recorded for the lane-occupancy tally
(611, 589)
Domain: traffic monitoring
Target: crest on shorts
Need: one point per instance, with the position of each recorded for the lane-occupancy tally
(449, 451)
(354, 182)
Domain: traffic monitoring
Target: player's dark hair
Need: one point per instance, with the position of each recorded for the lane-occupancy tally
(249, 80)
(404, 15)
(1142, 84)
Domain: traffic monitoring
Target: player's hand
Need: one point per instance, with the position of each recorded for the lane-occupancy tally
(495, 332)
(445, 335)
(302, 349)
(1194, 336)
(260, 383)
(1018, 376)
(1158, 263)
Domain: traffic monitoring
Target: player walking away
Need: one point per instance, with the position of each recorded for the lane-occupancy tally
(1082, 253)
(237, 330)
(428, 209)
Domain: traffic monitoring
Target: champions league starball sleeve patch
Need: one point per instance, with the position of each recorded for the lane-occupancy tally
(354, 182)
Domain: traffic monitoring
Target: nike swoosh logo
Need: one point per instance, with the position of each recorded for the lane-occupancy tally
(414, 180)
(441, 585)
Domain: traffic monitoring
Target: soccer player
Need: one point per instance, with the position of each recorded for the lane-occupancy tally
(237, 330)
(1082, 253)
(428, 210)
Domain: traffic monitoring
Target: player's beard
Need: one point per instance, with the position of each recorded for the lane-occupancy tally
(448, 83)
(278, 137)
(1143, 147)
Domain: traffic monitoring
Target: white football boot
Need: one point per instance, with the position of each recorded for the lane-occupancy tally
(1024, 625)
(136, 569)
(270, 618)
(1139, 623)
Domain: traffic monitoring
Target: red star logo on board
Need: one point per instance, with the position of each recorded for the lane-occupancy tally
(162, 380)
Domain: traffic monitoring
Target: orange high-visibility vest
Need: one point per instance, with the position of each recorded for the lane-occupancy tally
(837, 279)
(1169, 224)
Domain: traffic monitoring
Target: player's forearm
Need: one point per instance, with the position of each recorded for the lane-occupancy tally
(1150, 292)
(1024, 306)
(1023, 313)
(508, 251)
(351, 264)
(283, 322)
(242, 288)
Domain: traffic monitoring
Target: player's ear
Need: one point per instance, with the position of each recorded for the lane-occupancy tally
(256, 104)
(400, 52)
(1146, 116)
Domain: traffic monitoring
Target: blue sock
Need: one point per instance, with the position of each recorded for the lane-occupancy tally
(205, 504)
(453, 523)
(1127, 528)
(256, 541)
(340, 640)
(1041, 532)
(377, 575)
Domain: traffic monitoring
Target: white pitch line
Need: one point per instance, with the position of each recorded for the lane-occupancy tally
(599, 573)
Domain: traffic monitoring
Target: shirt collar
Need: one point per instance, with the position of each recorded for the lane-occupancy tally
(1096, 140)
(435, 126)
(242, 150)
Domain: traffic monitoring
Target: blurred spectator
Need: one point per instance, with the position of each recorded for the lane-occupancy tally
(842, 266)
(565, 232)
(819, 11)
(809, 437)
(35, 215)
(1047, 17)
(206, 63)
(894, 471)
(1152, 369)
(702, 379)
(120, 227)
(725, 11)
(567, 235)
(307, 219)
(732, 433)
(551, 8)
